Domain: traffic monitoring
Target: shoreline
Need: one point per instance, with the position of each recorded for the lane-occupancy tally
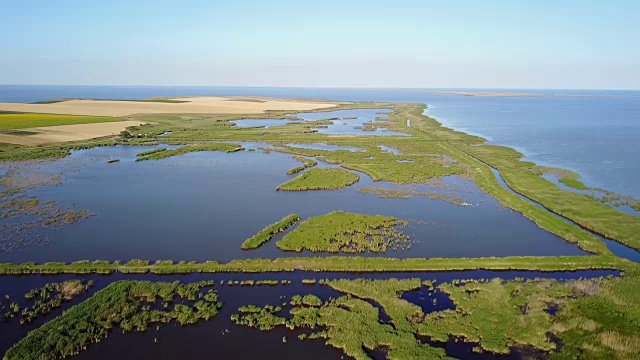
(583, 175)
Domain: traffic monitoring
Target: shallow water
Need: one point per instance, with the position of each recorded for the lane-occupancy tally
(351, 122)
(554, 179)
(344, 122)
(266, 123)
(389, 149)
(202, 206)
(615, 247)
(326, 147)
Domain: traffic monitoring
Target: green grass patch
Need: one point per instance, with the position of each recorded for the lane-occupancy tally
(498, 315)
(349, 324)
(387, 294)
(158, 154)
(575, 184)
(306, 163)
(123, 304)
(267, 233)
(150, 152)
(387, 193)
(491, 313)
(347, 232)
(605, 325)
(295, 170)
(321, 179)
(335, 263)
(41, 301)
(23, 121)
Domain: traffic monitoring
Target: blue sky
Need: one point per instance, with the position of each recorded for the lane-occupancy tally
(421, 44)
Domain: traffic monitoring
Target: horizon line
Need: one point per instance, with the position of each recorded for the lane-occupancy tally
(336, 87)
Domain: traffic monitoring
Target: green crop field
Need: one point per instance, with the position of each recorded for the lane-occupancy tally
(23, 121)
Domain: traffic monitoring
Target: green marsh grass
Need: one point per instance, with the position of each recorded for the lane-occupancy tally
(306, 163)
(123, 304)
(387, 193)
(157, 155)
(267, 233)
(498, 315)
(347, 232)
(321, 179)
(334, 263)
(347, 323)
(150, 152)
(45, 299)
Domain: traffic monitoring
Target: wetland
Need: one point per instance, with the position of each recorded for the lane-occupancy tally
(201, 182)
(367, 230)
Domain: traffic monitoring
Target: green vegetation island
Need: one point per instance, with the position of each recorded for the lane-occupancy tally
(321, 179)
(267, 233)
(340, 231)
(594, 318)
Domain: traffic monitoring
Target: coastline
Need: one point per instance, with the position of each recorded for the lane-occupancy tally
(546, 149)
(490, 141)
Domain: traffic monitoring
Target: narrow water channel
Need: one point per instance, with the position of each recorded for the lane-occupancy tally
(617, 248)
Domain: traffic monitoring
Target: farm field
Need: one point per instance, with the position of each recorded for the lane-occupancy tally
(12, 121)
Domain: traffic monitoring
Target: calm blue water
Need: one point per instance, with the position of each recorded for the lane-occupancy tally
(202, 206)
(343, 122)
(596, 135)
(352, 122)
(266, 123)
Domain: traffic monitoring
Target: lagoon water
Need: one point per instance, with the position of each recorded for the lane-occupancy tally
(343, 122)
(353, 122)
(593, 132)
(202, 206)
(265, 123)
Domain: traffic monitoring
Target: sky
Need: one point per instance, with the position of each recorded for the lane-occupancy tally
(541, 44)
